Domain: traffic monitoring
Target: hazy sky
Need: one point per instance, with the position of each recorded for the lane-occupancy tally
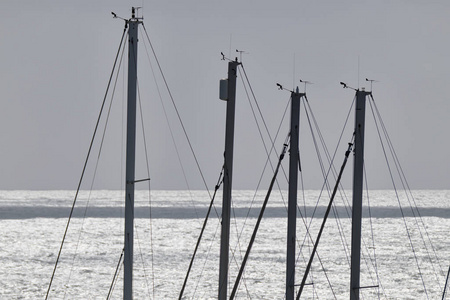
(56, 57)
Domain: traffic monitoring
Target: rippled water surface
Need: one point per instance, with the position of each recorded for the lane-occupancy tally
(33, 224)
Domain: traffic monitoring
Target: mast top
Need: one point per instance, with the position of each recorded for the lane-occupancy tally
(297, 90)
(135, 15)
(363, 89)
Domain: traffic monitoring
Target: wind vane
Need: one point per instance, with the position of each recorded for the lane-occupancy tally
(371, 82)
(346, 86)
(240, 53)
(305, 82)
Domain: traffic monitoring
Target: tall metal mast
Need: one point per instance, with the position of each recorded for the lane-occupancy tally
(230, 97)
(292, 197)
(130, 156)
(360, 112)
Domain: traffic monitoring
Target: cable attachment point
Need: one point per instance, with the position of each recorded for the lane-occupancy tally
(283, 152)
(349, 150)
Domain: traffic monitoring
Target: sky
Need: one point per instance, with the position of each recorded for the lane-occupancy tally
(56, 58)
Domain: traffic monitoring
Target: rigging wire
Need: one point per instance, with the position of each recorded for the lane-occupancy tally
(335, 211)
(409, 194)
(263, 120)
(219, 183)
(369, 212)
(177, 112)
(151, 238)
(95, 170)
(116, 273)
(237, 248)
(329, 158)
(374, 261)
(341, 191)
(150, 206)
(268, 133)
(143, 262)
(445, 286)
(304, 214)
(252, 239)
(346, 205)
(117, 278)
(204, 264)
(308, 234)
(268, 153)
(272, 141)
(171, 131)
(326, 175)
(331, 168)
(180, 120)
(343, 238)
(347, 153)
(321, 163)
(244, 281)
(401, 210)
(85, 164)
(233, 251)
(262, 139)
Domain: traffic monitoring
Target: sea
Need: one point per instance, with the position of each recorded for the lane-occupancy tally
(405, 251)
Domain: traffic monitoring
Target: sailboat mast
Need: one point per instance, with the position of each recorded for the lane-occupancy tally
(227, 179)
(358, 168)
(292, 196)
(130, 157)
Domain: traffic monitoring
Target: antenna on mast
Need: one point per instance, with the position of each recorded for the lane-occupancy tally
(358, 71)
(135, 13)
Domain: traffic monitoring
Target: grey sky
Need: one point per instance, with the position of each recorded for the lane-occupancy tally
(55, 60)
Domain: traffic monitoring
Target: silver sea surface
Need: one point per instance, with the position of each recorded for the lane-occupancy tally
(33, 224)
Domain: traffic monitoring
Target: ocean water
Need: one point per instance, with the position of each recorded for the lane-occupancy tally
(33, 224)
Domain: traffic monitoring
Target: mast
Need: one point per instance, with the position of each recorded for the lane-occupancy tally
(358, 168)
(130, 157)
(230, 97)
(292, 197)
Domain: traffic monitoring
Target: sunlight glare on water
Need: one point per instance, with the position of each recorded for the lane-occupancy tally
(33, 223)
